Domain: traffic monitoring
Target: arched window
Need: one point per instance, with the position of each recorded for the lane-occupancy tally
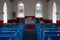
(38, 12)
(20, 10)
(54, 12)
(5, 13)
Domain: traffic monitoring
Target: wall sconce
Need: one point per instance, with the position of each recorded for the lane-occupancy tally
(13, 14)
(47, 0)
(57, 12)
(11, 0)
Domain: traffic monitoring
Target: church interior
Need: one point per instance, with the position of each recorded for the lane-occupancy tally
(29, 19)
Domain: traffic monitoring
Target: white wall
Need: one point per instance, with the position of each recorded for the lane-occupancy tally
(1, 8)
(58, 9)
(9, 6)
(30, 7)
(50, 9)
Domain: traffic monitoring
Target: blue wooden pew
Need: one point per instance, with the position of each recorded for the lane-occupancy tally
(8, 34)
(48, 31)
(52, 34)
(11, 25)
(14, 33)
(48, 25)
(40, 33)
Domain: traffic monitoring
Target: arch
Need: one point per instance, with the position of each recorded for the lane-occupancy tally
(5, 12)
(20, 10)
(54, 18)
(39, 10)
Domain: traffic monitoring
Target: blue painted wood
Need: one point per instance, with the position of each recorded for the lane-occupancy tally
(9, 33)
(48, 31)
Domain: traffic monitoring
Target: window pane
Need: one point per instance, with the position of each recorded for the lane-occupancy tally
(54, 12)
(20, 10)
(38, 11)
(5, 12)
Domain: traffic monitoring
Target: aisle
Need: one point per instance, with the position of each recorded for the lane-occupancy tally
(30, 35)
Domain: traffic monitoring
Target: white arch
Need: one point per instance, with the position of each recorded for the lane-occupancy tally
(54, 13)
(5, 12)
(21, 4)
(20, 9)
(38, 10)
